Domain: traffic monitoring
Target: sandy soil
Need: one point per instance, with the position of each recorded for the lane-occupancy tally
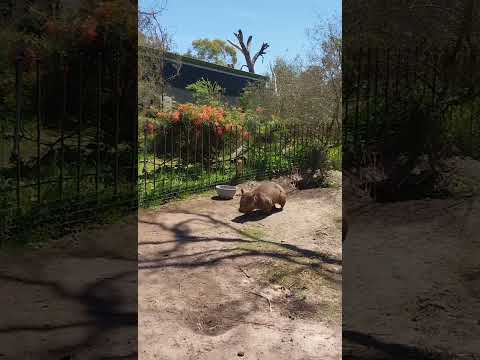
(421, 260)
(214, 284)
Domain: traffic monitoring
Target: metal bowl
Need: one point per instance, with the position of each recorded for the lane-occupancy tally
(226, 191)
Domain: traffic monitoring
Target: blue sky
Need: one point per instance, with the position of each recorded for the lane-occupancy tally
(281, 23)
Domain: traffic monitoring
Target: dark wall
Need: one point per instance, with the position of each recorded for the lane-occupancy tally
(188, 74)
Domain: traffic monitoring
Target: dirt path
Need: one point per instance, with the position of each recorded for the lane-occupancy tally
(216, 285)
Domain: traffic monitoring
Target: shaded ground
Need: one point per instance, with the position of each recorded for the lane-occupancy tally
(71, 299)
(214, 284)
(421, 260)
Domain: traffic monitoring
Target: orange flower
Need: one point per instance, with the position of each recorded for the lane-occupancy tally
(176, 117)
(183, 108)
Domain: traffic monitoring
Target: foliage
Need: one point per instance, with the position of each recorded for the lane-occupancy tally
(216, 51)
(153, 43)
(305, 92)
(206, 93)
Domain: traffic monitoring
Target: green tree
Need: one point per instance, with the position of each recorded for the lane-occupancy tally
(215, 51)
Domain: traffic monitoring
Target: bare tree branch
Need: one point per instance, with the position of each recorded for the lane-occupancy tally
(235, 45)
(260, 52)
(245, 49)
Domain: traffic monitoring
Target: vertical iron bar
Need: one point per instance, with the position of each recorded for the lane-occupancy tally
(216, 137)
(242, 168)
(367, 130)
(145, 171)
(209, 130)
(387, 79)
(164, 165)
(202, 157)
(38, 99)
(154, 162)
(195, 147)
(270, 163)
(230, 144)
(375, 92)
(18, 119)
(187, 127)
(223, 154)
(357, 102)
(179, 163)
(62, 126)
(171, 158)
(99, 116)
(236, 149)
(80, 124)
(117, 120)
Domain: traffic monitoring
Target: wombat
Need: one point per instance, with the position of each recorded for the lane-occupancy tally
(263, 197)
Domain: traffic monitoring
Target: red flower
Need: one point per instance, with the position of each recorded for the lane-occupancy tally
(151, 128)
(51, 27)
(90, 30)
(219, 131)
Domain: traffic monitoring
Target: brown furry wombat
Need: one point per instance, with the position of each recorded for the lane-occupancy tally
(263, 197)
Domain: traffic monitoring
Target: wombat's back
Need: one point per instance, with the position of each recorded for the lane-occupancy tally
(272, 191)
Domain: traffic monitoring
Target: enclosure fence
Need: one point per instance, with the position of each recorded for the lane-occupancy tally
(186, 158)
(68, 140)
(393, 93)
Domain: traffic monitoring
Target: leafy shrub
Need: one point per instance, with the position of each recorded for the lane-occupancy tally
(206, 92)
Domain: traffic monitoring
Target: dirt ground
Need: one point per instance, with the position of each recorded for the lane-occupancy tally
(71, 299)
(421, 260)
(215, 284)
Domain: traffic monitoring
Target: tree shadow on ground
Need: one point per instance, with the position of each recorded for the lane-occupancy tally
(104, 307)
(354, 339)
(247, 245)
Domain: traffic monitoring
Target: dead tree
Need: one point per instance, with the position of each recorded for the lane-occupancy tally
(245, 49)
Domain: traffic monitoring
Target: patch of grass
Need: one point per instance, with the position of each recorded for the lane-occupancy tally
(254, 232)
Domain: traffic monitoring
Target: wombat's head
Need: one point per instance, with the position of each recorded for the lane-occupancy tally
(247, 202)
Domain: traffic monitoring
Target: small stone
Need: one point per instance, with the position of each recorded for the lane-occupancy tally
(240, 353)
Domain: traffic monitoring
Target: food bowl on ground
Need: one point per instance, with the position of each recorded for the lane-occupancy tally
(226, 191)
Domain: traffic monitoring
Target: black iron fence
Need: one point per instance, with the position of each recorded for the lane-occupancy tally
(68, 139)
(405, 99)
(186, 158)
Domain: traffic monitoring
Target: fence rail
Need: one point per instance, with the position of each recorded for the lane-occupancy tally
(187, 158)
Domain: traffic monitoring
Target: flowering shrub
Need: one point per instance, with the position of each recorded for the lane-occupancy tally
(197, 131)
(219, 118)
